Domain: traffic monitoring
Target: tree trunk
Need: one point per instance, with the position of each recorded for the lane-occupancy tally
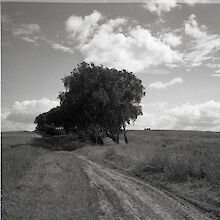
(124, 132)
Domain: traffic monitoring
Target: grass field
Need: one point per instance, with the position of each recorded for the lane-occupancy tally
(179, 155)
(185, 163)
(17, 158)
(35, 176)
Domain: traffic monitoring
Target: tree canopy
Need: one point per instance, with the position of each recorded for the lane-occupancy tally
(98, 101)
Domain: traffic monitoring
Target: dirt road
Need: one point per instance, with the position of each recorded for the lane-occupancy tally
(123, 197)
(64, 185)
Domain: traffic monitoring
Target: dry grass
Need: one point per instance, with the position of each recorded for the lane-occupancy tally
(17, 158)
(29, 192)
(177, 155)
(20, 150)
(186, 163)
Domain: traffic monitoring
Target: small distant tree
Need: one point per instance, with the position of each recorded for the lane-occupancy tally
(100, 101)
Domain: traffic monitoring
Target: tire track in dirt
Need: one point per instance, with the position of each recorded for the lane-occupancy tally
(135, 199)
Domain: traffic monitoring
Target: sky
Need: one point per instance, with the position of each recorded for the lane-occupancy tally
(172, 46)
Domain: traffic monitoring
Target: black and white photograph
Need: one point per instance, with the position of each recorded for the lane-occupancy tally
(110, 110)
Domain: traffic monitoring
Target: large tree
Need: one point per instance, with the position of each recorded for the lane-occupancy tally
(101, 101)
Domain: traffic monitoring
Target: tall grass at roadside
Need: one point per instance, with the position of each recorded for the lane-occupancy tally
(184, 163)
(16, 162)
(175, 155)
(181, 164)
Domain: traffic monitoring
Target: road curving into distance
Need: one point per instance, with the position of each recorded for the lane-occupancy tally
(66, 185)
(124, 197)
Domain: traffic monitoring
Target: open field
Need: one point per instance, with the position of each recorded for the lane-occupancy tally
(48, 178)
(18, 157)
(185, 163)
(38, 183)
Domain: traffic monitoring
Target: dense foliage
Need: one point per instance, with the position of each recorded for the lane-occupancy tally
(98, 102)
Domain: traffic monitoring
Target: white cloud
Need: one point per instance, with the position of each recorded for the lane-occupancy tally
(161, 85)
(213, 65)
(82, 28)
(27, 32)
(28, 39)
(192, 28)
(204, 44)
(132, 48)
(203, 116)
(217, 71)
(31, 33)
(116, 44)
(216, 75)
(26, 29)
(159, 6)
(172, 65)
(171, 39)
(193, 2)
(22, 114)
(56, 45)
(63, 48)
(17, 126)
(153, 121)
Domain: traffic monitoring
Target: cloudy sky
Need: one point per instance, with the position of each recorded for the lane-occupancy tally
(173, 47)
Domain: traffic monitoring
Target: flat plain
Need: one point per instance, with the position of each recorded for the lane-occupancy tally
(157, 175)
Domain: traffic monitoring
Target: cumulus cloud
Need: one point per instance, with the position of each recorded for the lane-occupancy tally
(115, 44)
(81, 28)
(159, 6)
(161, 85)
(21, 115)
(171, 39)
(192, 28)
(204, 44)
(203, 116)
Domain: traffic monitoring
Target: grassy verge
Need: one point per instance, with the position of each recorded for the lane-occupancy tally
(20, 150)
(15, 163)
(38, 183)
(18, 156)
